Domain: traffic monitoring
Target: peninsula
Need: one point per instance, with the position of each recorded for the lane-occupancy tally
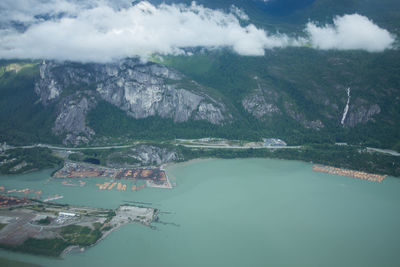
(52, 229)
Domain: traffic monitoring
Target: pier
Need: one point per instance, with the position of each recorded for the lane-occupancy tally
(51, 198)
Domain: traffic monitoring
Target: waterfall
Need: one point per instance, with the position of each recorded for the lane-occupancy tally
(346, 109)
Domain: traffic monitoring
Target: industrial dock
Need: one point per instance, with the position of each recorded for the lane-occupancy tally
(154, 177)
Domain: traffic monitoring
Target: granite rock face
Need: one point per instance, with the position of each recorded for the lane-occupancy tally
(361, 114)
(144, 90)
(142, 155)
(47, 87)
(140, 89)
(301, 118)
(153, 155)
(154, 90)
(261, 104)
(71, 119)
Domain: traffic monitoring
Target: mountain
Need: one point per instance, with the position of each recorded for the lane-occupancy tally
(298, 94)
(140, 90)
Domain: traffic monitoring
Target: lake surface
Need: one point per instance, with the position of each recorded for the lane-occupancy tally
(247, 212)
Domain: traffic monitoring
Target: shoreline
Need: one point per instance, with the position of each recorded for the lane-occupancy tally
(83, 249)
(166, 167)
(79, 249)
(362, 175)
(307, 153)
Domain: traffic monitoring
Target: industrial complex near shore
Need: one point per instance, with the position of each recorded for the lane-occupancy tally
(154, 177)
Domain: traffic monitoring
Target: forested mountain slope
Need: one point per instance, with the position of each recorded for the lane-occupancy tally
(297, 93)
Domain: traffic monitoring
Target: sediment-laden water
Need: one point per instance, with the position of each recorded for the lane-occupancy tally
(251, 212)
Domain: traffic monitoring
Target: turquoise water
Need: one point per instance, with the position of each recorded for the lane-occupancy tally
(251, 212)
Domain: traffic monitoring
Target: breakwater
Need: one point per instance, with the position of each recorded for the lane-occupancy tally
(350, 173)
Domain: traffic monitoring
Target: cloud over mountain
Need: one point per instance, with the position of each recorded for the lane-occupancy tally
(350, 32)
(102, 31)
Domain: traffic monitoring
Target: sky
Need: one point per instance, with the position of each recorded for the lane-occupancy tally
(107, 30)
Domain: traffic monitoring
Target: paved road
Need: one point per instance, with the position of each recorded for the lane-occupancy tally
(76, 148)
(128, 146)
(241, 147)
(384, 151)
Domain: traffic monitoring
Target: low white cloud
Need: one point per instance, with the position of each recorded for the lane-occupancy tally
(239, 13)
(350, 32)
(102, 33)
(106, 30)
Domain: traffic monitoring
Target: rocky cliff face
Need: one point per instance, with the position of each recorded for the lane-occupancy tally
(141, 90)
(144, 90)
(301, 118)
(47, 87)
(362, 113)
(56, 78)
(71, 119)
(152, 155)
(150, 90)
(261, 103)
(142, 155)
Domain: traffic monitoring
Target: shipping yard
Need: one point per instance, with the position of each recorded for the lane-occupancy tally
(136, 180)
(81, 170)
(154, 177)
(50, 228)
(8, 201)
(349, 173)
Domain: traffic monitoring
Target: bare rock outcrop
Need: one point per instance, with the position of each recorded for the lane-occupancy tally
(71, 119)
(140, 89)
(361, 114)
(261, 104)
